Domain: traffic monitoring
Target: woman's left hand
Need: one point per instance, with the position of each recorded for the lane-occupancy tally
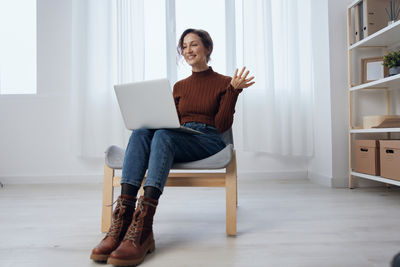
(239, 81)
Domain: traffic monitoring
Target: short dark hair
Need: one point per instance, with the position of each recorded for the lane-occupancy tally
(204, 37)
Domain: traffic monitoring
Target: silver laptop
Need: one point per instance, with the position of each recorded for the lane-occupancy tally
(149, 104)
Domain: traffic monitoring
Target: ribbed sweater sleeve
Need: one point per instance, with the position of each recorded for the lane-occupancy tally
(206, 97)
(224, 117)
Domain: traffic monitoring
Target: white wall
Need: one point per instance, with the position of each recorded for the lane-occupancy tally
(330, 164)
(37, 130)
(339, 93)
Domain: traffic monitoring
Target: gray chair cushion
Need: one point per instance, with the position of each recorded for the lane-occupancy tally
(115, 159)
(217, 161)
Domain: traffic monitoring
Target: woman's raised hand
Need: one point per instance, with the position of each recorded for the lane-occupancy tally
(239, 81)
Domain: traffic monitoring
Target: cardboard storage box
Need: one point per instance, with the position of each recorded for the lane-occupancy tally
(367, 157)
(390, 159)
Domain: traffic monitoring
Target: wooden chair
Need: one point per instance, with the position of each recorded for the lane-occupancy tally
(226, 158)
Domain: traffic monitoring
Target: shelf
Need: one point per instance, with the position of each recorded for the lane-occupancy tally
(354, 3)
(376, 130)
(392, 81)
(376, 178)
(384, 40)
(387, 36)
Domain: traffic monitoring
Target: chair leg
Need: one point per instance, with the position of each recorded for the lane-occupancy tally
(237, 204)
(236, 197)
(231, 197)
(108, 197)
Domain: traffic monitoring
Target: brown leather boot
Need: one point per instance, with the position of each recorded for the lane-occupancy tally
(139, 239)
(121, 219)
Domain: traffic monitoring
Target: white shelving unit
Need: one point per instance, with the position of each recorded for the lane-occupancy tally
(376, 178)
(375, 130)
(392, 82)
(385, 38)
(388, 36)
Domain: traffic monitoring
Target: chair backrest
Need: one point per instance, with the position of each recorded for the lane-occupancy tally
(228, 136)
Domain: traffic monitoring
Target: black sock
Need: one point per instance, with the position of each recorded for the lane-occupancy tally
(152, 192)
(128, 189)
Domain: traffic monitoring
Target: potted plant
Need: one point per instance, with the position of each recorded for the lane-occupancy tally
(392, 62)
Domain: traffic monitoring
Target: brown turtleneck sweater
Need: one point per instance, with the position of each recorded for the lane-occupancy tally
(206, 97)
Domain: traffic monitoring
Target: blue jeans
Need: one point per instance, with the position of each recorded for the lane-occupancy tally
(157, 150)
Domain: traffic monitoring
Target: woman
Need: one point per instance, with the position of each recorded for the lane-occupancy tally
(205, 101)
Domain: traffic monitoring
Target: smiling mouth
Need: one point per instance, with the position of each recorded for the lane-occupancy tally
(191, 57)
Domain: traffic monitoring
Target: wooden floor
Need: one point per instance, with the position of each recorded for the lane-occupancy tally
(280, 223)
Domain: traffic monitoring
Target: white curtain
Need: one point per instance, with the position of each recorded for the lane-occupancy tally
(108, 49)
(277, 48)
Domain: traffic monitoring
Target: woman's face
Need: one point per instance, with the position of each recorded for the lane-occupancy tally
(193, 50)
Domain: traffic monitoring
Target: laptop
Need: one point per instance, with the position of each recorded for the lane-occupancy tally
(149, 104)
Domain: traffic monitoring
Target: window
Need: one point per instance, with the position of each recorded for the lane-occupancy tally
(155, 39)
(18, 47)
(208, 15)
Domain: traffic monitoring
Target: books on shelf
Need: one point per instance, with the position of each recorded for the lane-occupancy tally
(358, 22)
(369, 16)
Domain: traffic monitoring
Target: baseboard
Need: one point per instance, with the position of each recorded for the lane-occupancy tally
(295, 174)
(98, 178)
(340, 182)
(320, 179)
(53, 179)
(337, 182)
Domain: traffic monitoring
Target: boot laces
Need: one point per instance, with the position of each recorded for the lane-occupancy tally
(116, 223)
(134, 230)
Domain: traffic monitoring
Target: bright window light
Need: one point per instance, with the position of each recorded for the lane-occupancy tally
(18, 47)
(199, 15)
(155, 39)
